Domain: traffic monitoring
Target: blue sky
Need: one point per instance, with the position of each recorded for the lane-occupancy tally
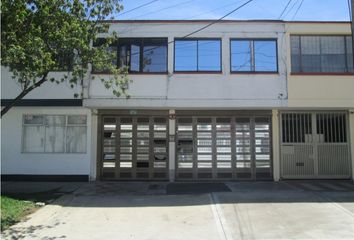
(317, 10)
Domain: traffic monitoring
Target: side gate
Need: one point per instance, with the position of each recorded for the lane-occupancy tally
(315, 145)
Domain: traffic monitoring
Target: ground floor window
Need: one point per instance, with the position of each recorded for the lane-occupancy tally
(54, 133)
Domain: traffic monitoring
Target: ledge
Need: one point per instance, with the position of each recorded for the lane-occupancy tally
(44, 178)
(44, 102)
(322, 74)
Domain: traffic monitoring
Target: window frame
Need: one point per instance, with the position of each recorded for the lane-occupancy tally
(301, 72)
(65, 132)
(141, 42)
(253, 56)
(196, 39)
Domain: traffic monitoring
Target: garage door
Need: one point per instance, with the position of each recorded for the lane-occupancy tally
(223, 148)
(315, 145)
(134, 148)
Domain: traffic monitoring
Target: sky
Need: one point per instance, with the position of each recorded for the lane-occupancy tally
(309, 10)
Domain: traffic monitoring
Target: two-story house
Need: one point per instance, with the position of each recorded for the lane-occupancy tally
(239, 100)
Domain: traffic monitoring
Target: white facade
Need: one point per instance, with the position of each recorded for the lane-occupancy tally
(217, 90)
(15, 161)
(175, 92)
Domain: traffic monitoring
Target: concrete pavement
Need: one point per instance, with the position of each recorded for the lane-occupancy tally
(250, 210)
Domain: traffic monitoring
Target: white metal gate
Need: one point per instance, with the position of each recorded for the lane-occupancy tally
(315, 145)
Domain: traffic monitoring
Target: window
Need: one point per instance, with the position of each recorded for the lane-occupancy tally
(198, 55)
(112, 50)
(140, 55)
(321, 54)
(146, 55)
(65, 61)
(54, 134)
(254, 55)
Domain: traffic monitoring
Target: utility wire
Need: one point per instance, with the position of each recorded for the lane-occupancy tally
(168, 7)
(215, 9)
(140, 6)
(212, 23)
(290, 9)
(286, 7)
(350, 10)
(194, 32)
(297, 10)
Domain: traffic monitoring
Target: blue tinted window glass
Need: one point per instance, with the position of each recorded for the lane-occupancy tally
(185, 55)
(265, 56)
(241, 55)
(155, 59)
(135, 58)
(209, 56)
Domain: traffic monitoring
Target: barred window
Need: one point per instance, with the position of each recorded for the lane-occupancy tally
(54, 134)
(321, 54)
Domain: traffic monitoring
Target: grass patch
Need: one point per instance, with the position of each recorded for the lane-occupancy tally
(13, 210)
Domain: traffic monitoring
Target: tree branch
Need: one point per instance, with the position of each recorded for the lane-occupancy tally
(23, 94)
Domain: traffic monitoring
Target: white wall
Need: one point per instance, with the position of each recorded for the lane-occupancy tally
(219, 90)
(48, 90)
(13, 161)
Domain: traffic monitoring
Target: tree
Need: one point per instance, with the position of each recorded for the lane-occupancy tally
(41, 36)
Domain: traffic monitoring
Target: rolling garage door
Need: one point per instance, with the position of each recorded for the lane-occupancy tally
(134, 148)
(223, 148)
(315, 145)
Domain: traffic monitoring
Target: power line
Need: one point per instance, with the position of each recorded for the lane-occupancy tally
(140, 6)
(196, 31)
(212, 23)
(350, 10)
(168, 7)
(215, 9)
(290, 9)
(286, 7)
(297, 10)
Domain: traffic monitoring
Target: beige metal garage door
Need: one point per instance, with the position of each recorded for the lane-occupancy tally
(315, 145)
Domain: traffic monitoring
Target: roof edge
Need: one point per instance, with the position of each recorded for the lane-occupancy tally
(225, 21)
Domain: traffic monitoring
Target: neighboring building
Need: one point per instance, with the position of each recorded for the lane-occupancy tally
(239, 100)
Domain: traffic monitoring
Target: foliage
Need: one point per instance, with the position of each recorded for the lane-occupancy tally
(12, 210)
(41, 36)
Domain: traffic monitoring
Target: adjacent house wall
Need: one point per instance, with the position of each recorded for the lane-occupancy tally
(320, 90)
(15, 162)
(48, 90)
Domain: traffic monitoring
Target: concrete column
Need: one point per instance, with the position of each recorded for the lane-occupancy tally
(351, 139)
(170, 56)
(93, 145)
(276, 144)
(172, 145)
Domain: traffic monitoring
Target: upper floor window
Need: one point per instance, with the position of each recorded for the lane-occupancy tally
(65, 61)
(54, 134)
(197, 55)
(326, 54)
(254, 55)
(140, 55)
(143, 55)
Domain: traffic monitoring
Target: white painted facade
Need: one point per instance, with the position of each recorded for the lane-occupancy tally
(217, 90)
(15, 161)
(181, 91)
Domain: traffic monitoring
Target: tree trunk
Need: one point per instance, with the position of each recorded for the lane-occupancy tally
(22, 94)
